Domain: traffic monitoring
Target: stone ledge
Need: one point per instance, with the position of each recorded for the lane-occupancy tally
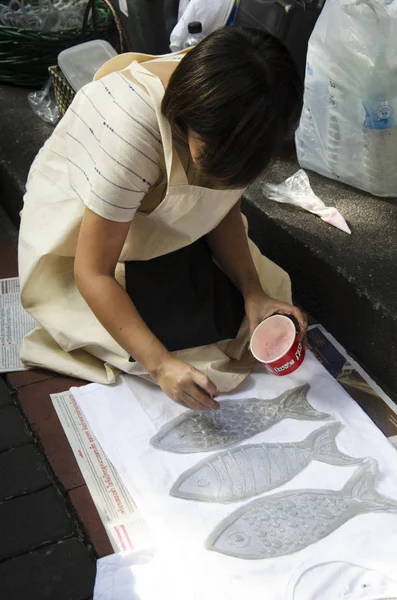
(347, 283)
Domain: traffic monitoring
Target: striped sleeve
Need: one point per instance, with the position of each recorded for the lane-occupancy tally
(114, 149)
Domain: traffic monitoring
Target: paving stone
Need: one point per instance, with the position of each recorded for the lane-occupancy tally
(22, 470)
(85, 507)
(9, 260)
(63, 571)
(13, 431)
(29, 521)
(22, 378)
(36, 402)
(5, 396)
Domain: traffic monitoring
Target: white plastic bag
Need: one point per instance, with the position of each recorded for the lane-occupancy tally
(296, 190)
(348, 128)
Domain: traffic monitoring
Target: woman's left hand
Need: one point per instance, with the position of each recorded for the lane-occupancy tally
(260, 306)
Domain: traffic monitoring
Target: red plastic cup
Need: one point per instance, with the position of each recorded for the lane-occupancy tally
(275, 343)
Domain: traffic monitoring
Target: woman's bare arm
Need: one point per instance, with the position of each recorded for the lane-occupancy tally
(98, 249)
(99, 246)
(229, 245)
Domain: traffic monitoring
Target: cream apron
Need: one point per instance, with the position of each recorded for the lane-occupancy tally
(69, 338)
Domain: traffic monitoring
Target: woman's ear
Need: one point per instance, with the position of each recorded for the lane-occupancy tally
(196, 145)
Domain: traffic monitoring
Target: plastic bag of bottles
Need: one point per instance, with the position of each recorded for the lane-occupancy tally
(49, 15)
(348, 127)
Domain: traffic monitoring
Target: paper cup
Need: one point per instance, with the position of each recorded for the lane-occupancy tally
(275, 343)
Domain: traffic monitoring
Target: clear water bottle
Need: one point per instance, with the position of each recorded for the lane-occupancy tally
(312, 125)
(380, 146)
(334, 148)
(195, 34)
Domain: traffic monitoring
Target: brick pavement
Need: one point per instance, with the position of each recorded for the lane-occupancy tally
(50, 531)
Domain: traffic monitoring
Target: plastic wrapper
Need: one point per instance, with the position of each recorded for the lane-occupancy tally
(296, 190)
(44, 105)
(348, 127)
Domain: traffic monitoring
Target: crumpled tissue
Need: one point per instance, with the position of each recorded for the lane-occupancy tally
(296, 190)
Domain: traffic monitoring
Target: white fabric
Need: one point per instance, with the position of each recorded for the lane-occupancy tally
(212, 14)
(338, 580)
(125, 416)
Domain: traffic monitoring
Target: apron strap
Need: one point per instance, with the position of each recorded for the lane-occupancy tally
(123, 61)
(175, 171)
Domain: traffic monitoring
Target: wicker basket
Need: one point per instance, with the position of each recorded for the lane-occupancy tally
(64, 93)
(26, 54)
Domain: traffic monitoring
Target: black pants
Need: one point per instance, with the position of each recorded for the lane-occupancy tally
(185, 298)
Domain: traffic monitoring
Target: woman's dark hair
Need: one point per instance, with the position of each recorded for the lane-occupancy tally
(240, 91)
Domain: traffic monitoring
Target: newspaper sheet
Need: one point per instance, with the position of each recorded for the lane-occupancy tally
(378, 406)
(122, 521)
(15, 323)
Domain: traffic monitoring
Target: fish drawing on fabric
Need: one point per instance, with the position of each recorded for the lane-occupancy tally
(286, 522)
(250, 470)
(235, 421)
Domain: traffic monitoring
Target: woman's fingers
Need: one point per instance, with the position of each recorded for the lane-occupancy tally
(190, 402)
(298, 315)
(187, 386)
(201, 398)
(196, 399)
(302, 321)
(203, 382)
(197, 393)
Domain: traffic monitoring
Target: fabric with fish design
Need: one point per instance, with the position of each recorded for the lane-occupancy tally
(236, 421)
(287, 522)
(250, 470)
(175, 562)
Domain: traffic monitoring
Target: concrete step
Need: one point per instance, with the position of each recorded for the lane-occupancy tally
(348, 283)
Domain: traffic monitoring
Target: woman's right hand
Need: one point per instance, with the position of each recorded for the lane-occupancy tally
(185, 385)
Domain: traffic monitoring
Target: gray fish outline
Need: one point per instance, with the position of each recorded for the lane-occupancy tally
(359, 490)
(320, 445)
(291, 404)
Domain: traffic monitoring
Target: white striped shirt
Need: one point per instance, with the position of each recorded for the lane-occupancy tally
(113, 147)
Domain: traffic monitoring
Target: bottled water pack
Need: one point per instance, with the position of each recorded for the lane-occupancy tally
(348, 127)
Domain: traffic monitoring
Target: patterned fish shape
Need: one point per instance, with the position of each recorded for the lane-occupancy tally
(235, 421)
(250, 470)
(283, 523)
